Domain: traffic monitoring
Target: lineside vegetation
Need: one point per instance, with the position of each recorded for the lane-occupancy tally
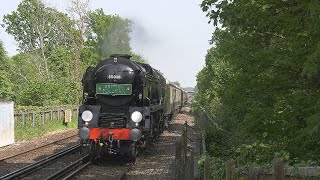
(54, 50)
(260, 85)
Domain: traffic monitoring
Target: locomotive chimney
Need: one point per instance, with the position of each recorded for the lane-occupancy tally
(127, 56)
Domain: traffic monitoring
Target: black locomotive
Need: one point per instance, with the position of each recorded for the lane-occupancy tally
(123, 106)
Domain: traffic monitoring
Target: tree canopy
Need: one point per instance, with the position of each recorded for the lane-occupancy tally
(5, 84)
(260, 84)
(176, 83)
(55, 48)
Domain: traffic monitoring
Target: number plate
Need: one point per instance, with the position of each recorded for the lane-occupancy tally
(113, 89)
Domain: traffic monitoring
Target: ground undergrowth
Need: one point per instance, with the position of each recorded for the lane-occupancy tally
(28, 132)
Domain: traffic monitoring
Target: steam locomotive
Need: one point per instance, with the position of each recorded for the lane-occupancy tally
(126, 104)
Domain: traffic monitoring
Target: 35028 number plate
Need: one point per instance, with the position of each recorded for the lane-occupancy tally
(113, 89)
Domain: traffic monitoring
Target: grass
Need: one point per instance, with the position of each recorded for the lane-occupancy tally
(28, 132)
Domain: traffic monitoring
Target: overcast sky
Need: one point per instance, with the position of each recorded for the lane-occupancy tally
(173, 35)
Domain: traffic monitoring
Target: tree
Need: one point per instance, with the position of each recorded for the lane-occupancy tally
(139, 58)
(34, 27)
(106, 35)
(55, 48)
(262, 77)
(176, 83)
(3, 53)
(5, 84)
(47, 41)
(109, 34)
(28, 25)
(79, 12)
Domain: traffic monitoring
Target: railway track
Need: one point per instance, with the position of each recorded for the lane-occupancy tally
(71, 170)
(38, 148)
(111, 168)
(30, 171)
(75, 167)
(123, 175)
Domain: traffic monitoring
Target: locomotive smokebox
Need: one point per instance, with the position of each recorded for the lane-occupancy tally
(115, 79)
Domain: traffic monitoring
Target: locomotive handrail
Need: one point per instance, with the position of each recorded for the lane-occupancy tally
(156, 107)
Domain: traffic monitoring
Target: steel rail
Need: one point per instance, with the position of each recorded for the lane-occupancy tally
(38, 165)
(71, 170)
(9, 157)
(77, 170)
(123, 175)
(75, 166)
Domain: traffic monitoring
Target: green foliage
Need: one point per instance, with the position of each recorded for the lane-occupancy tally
(54, 50)
(35, 26)
(176, 83)
(38, 109)
(3, 53)
(60, 60)
(29, 132)
(138, 57)
(217, 166)
(5, 84)
(45, 92)
(216, 141)
(109, 34)
(261, 82)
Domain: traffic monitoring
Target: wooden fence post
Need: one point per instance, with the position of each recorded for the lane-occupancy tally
(23, 118)
(278, 169)
(59, 115)
(178, 161)
(230, 170)
(185, 143)
(43, 117)
(51, 115)
(185, 149)
(68, 116)
(191, 170)
(33, 119)
(187, 174)
(253, 173)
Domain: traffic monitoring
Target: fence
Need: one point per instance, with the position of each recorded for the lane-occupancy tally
(279, 172)
(203, 122)
(184, 159)
(34, 117)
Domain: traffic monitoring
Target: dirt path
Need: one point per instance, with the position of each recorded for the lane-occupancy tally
(158, 162)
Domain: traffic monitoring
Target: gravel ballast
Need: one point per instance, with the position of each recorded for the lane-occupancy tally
(159, 161)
